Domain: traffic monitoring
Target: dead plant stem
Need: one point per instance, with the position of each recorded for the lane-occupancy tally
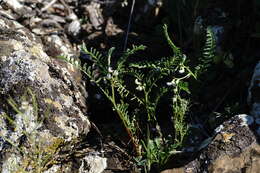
(129, 25)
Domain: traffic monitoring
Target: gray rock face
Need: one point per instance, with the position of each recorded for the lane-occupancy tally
(42, 107)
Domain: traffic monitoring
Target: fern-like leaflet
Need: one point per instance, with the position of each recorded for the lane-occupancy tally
(208, 52)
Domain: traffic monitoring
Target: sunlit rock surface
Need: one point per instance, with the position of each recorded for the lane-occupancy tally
(233, 149)
(44, 120)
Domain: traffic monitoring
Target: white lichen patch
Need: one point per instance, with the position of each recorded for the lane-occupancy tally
(57, 41)
(21, 66)
(46, 136)
(25, 123)
(3, 24)
(69, 126)
(3, 58)
(27, 120)
(246, 119)
(66, 100)
(22, 31)
(3, 130)
(85, 119)
(219, 128)
(17, 68)
(12, 164)
(37, 50)
(93, 164)
(14, 4)
(53, 169)
(40, 150)
(65, 74)
(17, 45)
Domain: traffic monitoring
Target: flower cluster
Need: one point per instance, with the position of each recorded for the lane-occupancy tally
(111, 73)
(173, 83)
(140, 86)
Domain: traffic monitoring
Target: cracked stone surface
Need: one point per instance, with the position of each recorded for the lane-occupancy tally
(42, 107)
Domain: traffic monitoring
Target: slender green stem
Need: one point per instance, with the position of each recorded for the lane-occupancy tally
(121, 115)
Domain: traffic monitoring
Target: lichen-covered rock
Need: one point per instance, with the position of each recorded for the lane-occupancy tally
(42, 106)
(234, 148)
(94, 163)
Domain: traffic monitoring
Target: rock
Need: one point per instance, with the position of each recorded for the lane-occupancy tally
(234, 148)
(73, 28)
(43, 110)
(94, 163)
(18, 8)
(95, 14)
(56, 45)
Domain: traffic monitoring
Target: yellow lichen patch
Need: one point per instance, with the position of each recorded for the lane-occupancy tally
(39, 156)
(17, 45)
(54, 103)
(50, 151)
(53, 147)
(227, 136)
(37, 51)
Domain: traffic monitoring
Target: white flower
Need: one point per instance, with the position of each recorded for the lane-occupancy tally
(174, 82)
(174, 99)
(137, 82)
(124, 4)
(109, 76)
(110, 70)
(169, 83)
(77, 63)
(184, 57)
(181, 70)
(139, 88)
(115, 73)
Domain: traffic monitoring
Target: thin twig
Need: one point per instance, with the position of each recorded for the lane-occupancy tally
(129, 25)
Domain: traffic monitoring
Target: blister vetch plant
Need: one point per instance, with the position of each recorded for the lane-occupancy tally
(137, 106)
